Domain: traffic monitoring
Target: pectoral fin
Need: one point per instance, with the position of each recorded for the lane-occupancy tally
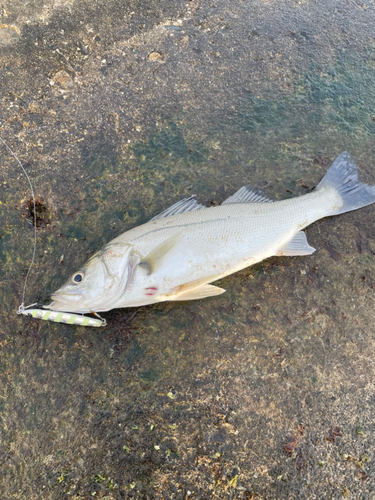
(158, 256)
(201, 292)
(297, 246)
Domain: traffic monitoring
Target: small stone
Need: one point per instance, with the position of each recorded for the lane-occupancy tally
(154, 56)
(8, 35)
(173, 28)
(63, 78)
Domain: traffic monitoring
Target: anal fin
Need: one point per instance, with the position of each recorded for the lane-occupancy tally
(297, 246)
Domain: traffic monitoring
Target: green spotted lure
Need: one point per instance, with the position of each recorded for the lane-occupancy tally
(63, 317)
(55, 316)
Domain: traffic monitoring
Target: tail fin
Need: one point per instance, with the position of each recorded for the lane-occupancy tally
(343, 176)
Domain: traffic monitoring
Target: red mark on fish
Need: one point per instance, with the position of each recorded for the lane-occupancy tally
(151, 290)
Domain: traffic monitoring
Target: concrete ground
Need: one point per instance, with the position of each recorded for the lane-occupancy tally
(117, 110)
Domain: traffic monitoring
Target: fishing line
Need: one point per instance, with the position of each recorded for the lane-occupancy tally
(22, 306)
(56, 316)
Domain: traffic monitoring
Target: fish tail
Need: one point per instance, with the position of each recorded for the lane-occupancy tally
(343, 177)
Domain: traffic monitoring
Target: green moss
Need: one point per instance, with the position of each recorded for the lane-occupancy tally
(339, 98)
(150, 375)
(166, 157)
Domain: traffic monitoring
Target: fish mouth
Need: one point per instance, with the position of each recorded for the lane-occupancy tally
(67, 302)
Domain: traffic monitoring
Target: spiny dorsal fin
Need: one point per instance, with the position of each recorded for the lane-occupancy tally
(157, 257)
(181, 207)
(248, 194)
(200, 293)
(297, 246)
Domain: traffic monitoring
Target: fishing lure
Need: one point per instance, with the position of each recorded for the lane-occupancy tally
(63, 317)
(55, 316)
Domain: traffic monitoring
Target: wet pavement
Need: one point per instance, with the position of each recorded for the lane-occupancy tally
(117, 111)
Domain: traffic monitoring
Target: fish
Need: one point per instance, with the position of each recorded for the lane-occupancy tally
(178, 254)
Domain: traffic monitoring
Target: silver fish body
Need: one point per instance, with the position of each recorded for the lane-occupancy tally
(176, 255)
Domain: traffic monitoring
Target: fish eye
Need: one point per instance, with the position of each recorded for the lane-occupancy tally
(77, 278)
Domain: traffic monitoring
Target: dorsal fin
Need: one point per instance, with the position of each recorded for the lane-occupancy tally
(181, 207)
(248, 194)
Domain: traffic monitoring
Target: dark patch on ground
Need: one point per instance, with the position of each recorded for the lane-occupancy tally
(38, 214)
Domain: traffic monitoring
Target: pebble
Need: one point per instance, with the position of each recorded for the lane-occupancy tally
(8, 35)
(154, 56)
(63, 78)
(173, 28)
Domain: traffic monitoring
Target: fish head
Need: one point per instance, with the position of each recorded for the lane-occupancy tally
(100, 283)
